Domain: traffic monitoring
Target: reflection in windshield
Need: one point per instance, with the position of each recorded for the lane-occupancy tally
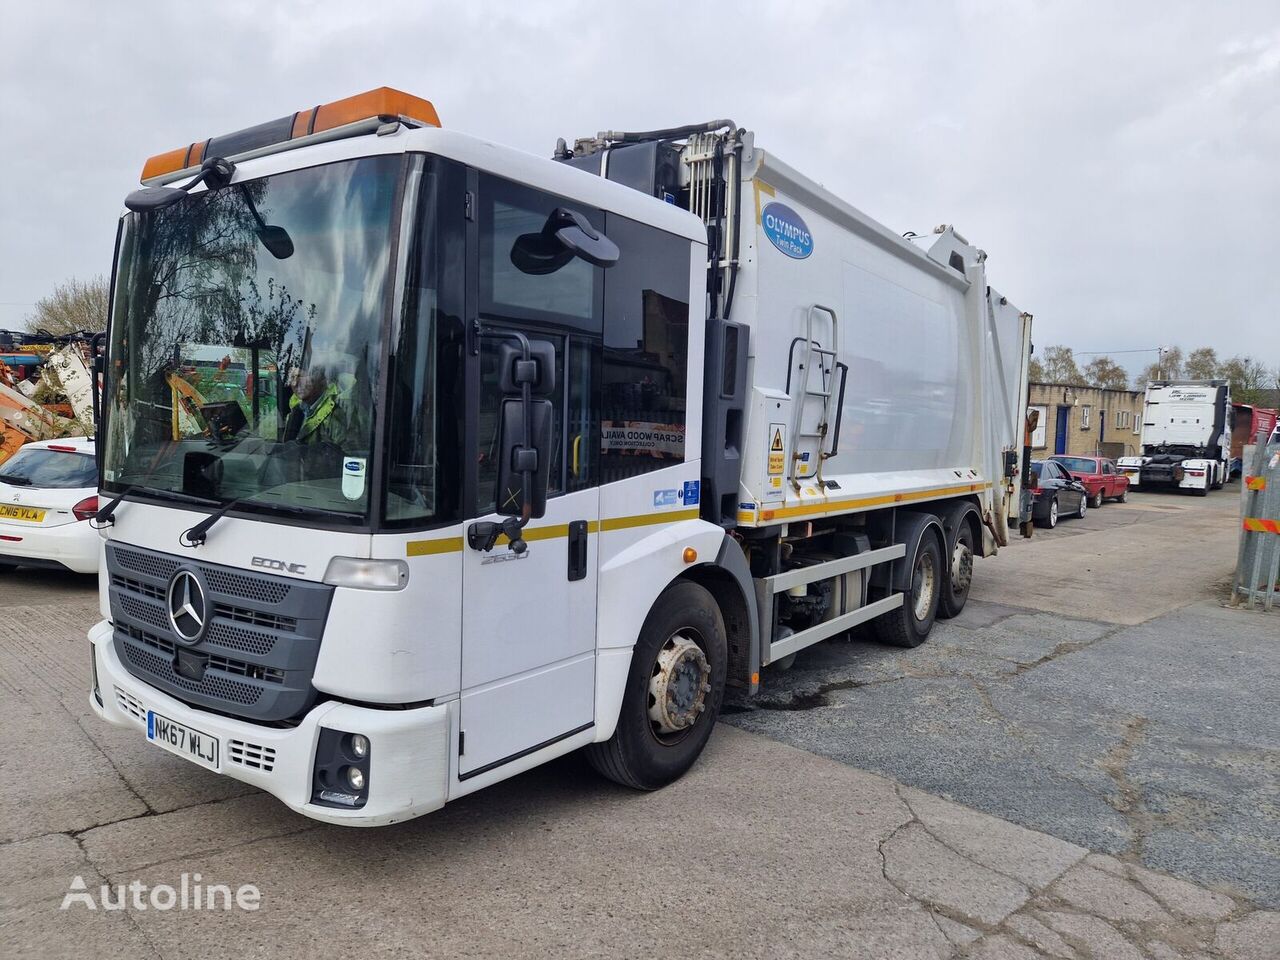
(241, 375)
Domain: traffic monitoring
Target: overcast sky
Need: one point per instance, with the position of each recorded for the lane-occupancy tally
(1120, 162)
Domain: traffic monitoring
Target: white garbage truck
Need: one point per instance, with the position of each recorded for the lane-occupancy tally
(425, 461)
(1186, 437)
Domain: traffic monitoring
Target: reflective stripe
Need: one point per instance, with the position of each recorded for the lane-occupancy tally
(1259, 525)
(1255, 483)
(422, 548)
(834, 506)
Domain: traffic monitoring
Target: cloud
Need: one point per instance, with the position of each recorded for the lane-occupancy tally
(1117, 161)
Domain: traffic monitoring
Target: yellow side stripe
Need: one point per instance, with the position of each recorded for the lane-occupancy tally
(828, 506)
(423, 548)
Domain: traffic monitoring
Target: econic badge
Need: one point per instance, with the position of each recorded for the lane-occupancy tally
(786, 230)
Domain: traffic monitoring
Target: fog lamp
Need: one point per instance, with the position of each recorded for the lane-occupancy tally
(355, 778)
(359, 746)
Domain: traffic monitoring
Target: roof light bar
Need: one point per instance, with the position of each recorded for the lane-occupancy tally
(382, 104)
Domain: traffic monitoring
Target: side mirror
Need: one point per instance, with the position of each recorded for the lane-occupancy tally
(524, 439)
(518, 456)
(565, 235)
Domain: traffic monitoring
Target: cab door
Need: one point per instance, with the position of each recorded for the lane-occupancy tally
(528, 645)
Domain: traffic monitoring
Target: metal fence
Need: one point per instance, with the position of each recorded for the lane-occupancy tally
(1257, 579)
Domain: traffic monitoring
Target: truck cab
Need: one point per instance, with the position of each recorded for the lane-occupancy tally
(1186, 437)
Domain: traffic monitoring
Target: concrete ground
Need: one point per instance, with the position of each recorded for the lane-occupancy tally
(1124, 738)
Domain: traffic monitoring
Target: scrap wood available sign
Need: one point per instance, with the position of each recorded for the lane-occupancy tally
(640, 437)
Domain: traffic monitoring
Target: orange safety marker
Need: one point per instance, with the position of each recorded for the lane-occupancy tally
(1255, 483)
(1259, 525)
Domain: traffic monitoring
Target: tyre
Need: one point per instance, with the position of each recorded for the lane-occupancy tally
(955, 591)
(673, 693)
(8, 567)
(1123, 497)
(909, 624)
(1096, 499)
(1202, 491)
(1084, 505)
(1051, 520)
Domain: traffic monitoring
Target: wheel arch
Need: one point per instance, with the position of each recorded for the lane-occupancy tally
(728, 580)
(911, 527)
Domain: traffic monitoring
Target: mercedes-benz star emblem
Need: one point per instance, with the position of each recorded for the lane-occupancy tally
(187, 606)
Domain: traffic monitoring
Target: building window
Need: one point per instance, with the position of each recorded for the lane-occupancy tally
(1085, 411)
(1137, 424)
(1119, 419)
(1039, 434)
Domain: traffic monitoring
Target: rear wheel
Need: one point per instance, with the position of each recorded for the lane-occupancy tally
(909, 624)
(1051, 518)
(1096, 499)
(955, 593)
(673, 693)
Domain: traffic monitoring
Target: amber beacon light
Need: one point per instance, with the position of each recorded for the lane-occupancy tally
(326, 121)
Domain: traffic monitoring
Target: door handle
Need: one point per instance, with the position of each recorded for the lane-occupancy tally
(578, 550)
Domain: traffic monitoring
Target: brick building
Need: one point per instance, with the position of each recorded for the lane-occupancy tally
(1086, 421)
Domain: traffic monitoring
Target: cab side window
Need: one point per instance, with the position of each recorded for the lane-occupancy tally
(644, 366)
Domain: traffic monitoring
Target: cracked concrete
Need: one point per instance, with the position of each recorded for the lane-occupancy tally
(1145, 739)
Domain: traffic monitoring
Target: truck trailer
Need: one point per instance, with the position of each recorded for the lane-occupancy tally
(1186, 437)
(425, 461)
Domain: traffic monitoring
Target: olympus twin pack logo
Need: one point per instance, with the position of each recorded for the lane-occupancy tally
(786, 230)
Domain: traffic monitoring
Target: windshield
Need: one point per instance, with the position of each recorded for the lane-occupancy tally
(50, 469)
(1078, 464)
(246, 336)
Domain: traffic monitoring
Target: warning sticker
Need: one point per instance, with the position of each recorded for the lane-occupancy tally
(777, 450)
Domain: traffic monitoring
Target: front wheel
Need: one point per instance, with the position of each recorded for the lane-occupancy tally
(673, 693)
(1123, 496)
(909, 624)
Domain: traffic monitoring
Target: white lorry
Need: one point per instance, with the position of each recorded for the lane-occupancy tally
(505, 458)
(1186, 437)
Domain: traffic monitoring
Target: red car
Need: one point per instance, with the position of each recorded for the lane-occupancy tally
(1101, 479)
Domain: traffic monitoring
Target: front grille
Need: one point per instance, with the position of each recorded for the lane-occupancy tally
(251, 755)
(211, 685)
(257, 589)
(155, 565)
(259, 646)
(258, 619)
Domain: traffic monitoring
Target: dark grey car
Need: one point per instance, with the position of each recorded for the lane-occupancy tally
(1056, 494)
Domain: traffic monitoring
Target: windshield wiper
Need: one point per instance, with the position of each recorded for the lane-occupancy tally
(197, 535)
(14, 479)
(107, 512)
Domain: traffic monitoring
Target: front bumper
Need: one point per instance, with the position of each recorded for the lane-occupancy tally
(409, 749)
(72, 545)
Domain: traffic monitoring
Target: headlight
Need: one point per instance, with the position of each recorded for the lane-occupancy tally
(367, 574)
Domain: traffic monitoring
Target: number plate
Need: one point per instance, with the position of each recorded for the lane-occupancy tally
(26, 514)
(177, 738)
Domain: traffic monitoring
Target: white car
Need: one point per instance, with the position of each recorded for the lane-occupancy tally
(48, 492)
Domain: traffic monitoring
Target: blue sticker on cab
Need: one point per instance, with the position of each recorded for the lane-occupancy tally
(692, 492)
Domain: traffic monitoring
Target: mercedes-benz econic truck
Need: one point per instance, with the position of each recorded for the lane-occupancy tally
(425, 461)
(1186, 437)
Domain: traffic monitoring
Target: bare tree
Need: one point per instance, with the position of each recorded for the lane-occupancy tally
(72, 306)
(1248, 378)
(1104, 372)
(1035, 371)
(1060, 366)
(1168, 367)
(1202, 364)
